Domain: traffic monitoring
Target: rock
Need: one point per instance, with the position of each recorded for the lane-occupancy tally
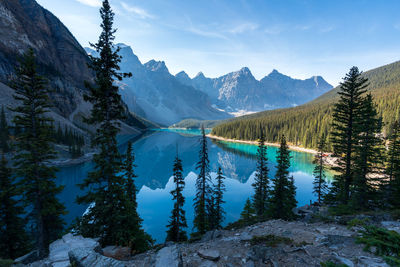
(345, 261)
(28, 258)
(116, 252)
(371, 262)
(84, 257)
(58, 250)
(209, 254)
(391, 225)
(168, 256)
(210, 235)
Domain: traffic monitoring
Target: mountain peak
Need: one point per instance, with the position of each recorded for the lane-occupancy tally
(182, 74)
(157, 66)
(199, 75)
(245, 70)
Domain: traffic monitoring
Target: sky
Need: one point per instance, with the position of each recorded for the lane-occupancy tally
(300, 38)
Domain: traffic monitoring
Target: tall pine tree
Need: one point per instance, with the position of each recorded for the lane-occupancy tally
(261, 181)
(14, 240)
(368, 155)
(218, 213)
(4, 132)
(248, 213)
(283, 193)
(347, 117)
(105, 184)
(393, 167)
(177, 223)
(319, 183)
(202, 201)
(34, 150)
(131, 233)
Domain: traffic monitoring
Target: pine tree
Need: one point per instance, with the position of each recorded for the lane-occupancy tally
(248, 213)
(319, 183)
(132, 233)
(34, 151)
(202, 201)
(4, 133)
(14, 240)
(261, 181)
(218, 213)
(368, 155)
(177, 223)
(283, 191)
(393, 167)
(105, 184)
(345, 132)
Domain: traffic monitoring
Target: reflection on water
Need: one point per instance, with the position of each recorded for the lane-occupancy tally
(155, 153)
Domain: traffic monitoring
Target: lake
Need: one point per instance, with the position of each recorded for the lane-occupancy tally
(154, 155)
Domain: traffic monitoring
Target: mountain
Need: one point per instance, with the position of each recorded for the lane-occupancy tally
(302, 125)
(152, 92)
(61, 59)
(240, 91)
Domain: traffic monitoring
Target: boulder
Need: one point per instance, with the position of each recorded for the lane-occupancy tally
(117, 252)
(209, 254)
(59, 249)
(168, 256)
(391, 225)
(84, 257)
(27, 258)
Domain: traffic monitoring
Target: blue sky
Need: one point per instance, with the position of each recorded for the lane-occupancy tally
(299, 38)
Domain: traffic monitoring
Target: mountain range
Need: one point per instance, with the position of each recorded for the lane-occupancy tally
(240, 91)
(152, 92)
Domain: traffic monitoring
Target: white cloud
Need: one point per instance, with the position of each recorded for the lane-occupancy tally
(92, 3)
(141, 13)
(245, 27)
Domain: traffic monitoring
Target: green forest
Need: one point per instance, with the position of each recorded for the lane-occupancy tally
(303, 125)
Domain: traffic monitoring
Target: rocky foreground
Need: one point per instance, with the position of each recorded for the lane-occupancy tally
(271, 243)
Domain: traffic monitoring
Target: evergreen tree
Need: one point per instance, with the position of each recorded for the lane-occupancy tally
(177, 223)
(248, 213)
(283, 193)
(4, 133)
(218, 213)
(319, 183)
(105, 184)
(202, 201)
(130, 175)
(34, 151)
(368, 155)
(14, 240)
(393, 167)
(261, 181)
(132, 233)
(345, 132)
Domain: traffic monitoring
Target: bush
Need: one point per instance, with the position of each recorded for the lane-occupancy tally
(386, 243)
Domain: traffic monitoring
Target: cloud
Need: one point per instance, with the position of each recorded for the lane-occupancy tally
(245, 27)
(274, 30)
(141, 13)
(92, 3)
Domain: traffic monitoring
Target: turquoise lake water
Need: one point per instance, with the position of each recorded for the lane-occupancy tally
(155, 153)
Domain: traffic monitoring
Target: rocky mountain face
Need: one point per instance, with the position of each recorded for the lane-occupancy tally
(240, 91)
(25, 24)
(152, 92)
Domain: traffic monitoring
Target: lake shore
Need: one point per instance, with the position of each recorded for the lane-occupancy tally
(294, 148)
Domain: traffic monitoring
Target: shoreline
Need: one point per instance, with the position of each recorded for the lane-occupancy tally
(294, 148)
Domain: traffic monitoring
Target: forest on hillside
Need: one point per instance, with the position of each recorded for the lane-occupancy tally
(304, 124)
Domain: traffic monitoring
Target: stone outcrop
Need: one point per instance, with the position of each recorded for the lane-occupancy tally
(271, 243)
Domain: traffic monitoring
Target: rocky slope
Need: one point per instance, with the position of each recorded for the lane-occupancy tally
(25, 24)
(271, 243)
(155, 94)
(241, 91)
